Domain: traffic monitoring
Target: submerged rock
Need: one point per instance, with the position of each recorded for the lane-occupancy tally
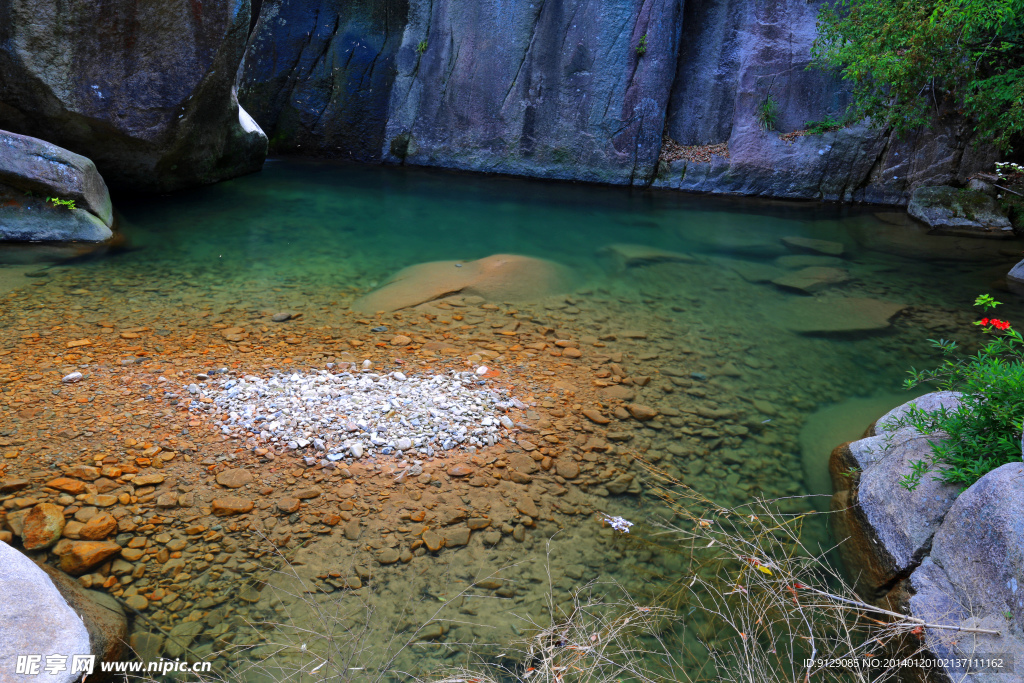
(146, 91)
(31, 171)
(501, 277)
(836, 315)
(812, 279)
(952, 211)
(631, 255)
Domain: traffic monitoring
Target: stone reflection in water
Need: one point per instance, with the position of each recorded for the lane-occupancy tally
(681, 350)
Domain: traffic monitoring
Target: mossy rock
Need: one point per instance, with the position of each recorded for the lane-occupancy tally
(954, 211)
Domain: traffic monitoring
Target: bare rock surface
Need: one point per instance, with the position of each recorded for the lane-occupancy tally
(35, 618)
(145, 91)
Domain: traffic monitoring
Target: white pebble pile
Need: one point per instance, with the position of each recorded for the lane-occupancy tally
(354, 415)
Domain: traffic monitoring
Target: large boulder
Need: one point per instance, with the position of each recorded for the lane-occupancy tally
(35, 619)
(954, 211)
(501, 277)
(147, 91)
(946, 557)
(886, 530)
(974, 575)
(31, 171)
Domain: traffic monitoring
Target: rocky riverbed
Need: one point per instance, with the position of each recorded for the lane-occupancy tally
(676, 355)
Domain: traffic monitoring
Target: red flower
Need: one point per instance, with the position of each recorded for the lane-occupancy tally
(984, 321)
(996, 323)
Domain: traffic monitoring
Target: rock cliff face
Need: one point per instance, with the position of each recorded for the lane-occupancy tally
(582, 90)
(145, 90)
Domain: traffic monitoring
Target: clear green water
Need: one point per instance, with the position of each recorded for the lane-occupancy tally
(302, 236)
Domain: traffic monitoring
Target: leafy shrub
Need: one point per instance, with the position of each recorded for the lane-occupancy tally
(984, 432)
(422, 47)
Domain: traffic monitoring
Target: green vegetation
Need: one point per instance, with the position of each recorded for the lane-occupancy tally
(985, 431)
(66, 203)
(768, 113)
(826, 125)
(422, 47)
(913, 61)
(641, 47)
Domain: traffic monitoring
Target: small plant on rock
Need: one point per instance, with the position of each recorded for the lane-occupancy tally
(984, 432)
(641, 47)
(768, 113)
(66, 203)
(422, 47)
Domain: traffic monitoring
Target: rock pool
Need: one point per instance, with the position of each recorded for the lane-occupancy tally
(696, 334)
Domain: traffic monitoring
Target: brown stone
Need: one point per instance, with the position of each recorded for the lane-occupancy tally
(132, 554)
(148, 480)
(572, 353)
(100, 500)
(476, 523)
(618, 392)
(388, 556)
(235, 478)
(11, 484)
(527, 507)
(432, 540)
(84, 555)
(42, 526)
(456, 536)
(460, 470)
(231, 505)
(400, 340)
(304, 494)
(288, 505)
(567, 468)
(72, 486)
(99, 527)
(596, 417)
(352, 530)
(641, 412)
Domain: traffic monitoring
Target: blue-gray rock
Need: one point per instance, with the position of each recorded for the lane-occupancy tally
(31, 171)
(147, 91)
(974, 576)
(886, 530)
(735, 54)
(583, 91)
(35, 619)
(955, 211)
(317, 74)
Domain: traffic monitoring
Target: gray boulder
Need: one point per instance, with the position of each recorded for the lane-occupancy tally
(952, 211)
(35, 619)
(1015, 279)
(889, 528)
(974, 576)
(147, 91)
(32, 170)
